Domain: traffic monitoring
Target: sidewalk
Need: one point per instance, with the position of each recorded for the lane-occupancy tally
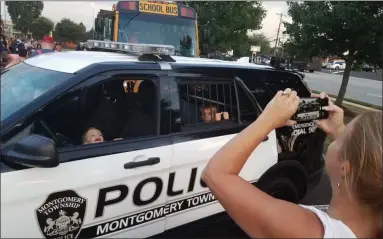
(347, 103)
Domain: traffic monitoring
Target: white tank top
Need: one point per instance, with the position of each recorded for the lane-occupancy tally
(332, 228)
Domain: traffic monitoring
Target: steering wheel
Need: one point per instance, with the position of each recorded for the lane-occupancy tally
(60, 139)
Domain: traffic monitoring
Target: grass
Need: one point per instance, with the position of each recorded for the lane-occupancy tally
(355, 101)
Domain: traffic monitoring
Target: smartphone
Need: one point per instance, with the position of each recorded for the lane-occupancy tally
(311, 109)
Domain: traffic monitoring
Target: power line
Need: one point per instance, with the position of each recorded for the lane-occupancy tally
(279, 28)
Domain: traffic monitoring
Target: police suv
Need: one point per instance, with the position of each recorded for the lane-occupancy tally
(111, 142)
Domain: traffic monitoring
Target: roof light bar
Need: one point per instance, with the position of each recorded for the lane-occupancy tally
(131, 47)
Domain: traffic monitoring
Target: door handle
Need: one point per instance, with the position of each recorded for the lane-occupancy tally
(149, 161)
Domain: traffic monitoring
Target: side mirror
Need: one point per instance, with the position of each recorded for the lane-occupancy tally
(32, 151)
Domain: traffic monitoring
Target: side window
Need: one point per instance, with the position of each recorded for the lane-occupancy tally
(207, 103)
(121, 107)
(248, 111)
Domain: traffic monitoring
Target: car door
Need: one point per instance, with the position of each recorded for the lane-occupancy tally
(111, 189)
(195, 143)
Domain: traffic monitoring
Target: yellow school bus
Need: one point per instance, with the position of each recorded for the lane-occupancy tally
(150, 22)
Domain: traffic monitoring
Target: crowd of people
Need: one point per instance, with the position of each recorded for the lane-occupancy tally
(14, 51)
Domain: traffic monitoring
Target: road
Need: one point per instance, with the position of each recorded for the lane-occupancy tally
(359, 74)
(365, 90)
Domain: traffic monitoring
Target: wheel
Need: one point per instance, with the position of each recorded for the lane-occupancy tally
(337, 68)
(311, 71)
(284, 189)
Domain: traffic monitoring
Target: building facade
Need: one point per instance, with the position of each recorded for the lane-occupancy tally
(10, 31)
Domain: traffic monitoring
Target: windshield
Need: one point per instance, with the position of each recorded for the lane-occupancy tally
(24, 83)
(158, 29)
(330, 62)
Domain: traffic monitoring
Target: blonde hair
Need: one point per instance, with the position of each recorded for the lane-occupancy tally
(213, 111)
(363, 149)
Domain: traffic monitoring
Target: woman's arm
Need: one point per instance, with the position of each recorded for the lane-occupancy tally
(12, 63)
(257, 213)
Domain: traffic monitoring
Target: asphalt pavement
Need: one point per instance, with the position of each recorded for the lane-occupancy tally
(364, 90)
(359, 74)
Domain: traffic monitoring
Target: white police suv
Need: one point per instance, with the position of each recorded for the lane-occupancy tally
(112, 142)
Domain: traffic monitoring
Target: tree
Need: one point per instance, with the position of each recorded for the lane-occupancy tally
(89, 34)
(67, 30)
(375, 56)
(333, 28)
(41, 26)
(23, 13)
(259, 39)
(224, 25)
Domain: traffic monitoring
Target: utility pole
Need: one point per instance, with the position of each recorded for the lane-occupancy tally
(279, 28)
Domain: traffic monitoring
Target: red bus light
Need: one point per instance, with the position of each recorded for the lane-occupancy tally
(128, 5)
(186, 12)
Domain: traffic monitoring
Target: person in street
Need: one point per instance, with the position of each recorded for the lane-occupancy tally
(14, 59)
(78, 47)
(12, 46)
(47, 45)
(3, 50)
(353, 164)
(58, 47)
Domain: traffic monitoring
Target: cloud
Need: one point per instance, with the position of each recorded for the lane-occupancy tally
(271, 21)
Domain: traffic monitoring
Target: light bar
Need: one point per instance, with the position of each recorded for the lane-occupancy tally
(131, 47)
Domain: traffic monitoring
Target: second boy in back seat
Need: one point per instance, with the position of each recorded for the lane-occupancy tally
(208, 111)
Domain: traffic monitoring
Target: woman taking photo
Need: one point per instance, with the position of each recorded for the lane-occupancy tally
(353, 164)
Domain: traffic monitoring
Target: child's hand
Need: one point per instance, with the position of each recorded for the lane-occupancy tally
(225, 115)
(218, 116)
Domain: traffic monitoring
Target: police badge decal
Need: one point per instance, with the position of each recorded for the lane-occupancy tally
(61, 215)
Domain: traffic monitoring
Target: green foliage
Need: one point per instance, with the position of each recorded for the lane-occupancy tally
(226, 23)
(40, 27)
(259, 39)
(89, 35)
(23, 13)
(67, 30)
(333, 28)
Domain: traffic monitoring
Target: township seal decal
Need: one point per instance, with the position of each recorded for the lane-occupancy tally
(61, 215)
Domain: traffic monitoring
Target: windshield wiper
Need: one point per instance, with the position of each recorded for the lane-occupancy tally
(130, 21)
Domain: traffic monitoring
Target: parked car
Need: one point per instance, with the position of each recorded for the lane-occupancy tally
(367, 68)
(336, 65)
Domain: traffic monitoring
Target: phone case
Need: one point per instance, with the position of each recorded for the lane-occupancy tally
(311, 109)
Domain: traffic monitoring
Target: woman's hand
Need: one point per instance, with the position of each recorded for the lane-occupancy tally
(334, 124)
(281, 108)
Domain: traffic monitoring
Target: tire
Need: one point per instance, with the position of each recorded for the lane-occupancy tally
(337, 68)
(284, 189)
(311, 71)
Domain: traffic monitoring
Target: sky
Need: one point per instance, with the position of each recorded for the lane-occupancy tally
(84, 12)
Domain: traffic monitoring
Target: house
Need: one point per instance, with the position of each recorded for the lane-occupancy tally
(10, 31)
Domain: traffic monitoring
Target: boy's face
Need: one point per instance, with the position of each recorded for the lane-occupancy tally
(208, 113)
(58, 47)
(93, 136)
